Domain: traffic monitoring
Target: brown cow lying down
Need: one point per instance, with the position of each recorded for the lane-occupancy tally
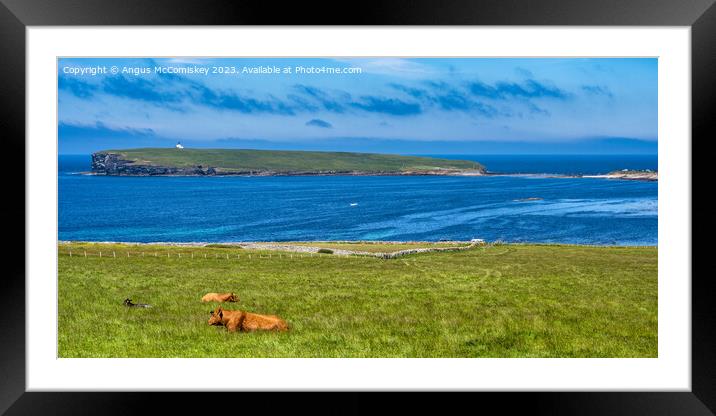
(220, 297)
(246, 321)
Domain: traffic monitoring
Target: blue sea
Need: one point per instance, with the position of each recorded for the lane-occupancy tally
(389, 208)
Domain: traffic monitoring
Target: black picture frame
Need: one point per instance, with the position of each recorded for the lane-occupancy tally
(16, 15)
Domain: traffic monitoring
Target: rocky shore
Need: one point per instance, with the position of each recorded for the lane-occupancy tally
(632, 175)
(624, 175)
(111, 164)
(389, 255)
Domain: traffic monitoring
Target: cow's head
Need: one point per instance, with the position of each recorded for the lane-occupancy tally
(216, 316)
(128, 302)
(232, 298)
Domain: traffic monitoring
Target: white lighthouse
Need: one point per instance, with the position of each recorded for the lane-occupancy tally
(179, 146)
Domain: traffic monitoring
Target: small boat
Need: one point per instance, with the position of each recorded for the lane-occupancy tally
(354, 204)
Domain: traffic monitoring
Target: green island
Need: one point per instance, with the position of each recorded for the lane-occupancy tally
(201, 162)
(483, 300)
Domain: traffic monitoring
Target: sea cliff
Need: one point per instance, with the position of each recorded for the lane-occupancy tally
(114, 165)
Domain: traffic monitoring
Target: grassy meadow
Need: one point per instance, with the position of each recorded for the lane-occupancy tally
(491, 301)
(287, 161)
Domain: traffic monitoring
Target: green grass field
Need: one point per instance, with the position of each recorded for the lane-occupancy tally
(495, 301)
(287, 161)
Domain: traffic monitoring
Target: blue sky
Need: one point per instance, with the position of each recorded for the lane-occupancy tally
(426, 105)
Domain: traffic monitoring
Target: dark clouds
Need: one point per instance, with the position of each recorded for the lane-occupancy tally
(138, 89)
(391, 106)
(527, 89)
(474, 97)
(597, 90)
(232, 101)
(322, 97)
(447, 98)
(77, 87)
(319, 123)
(101, 130)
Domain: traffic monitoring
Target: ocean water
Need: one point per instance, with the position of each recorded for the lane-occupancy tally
(216, 209)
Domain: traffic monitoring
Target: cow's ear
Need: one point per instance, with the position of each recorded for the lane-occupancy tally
(221, 313)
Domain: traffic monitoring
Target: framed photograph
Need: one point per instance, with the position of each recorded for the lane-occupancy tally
(450, 205)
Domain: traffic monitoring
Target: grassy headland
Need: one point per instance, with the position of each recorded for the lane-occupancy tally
(238, 161)
(491, 301)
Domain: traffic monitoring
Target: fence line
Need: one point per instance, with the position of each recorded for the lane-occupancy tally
(287, 255)
(291, 255)
(192, 255)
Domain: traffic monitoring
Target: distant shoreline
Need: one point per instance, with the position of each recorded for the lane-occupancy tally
(287, 174)
(185, 163)
(629, 175)
(647, 178)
